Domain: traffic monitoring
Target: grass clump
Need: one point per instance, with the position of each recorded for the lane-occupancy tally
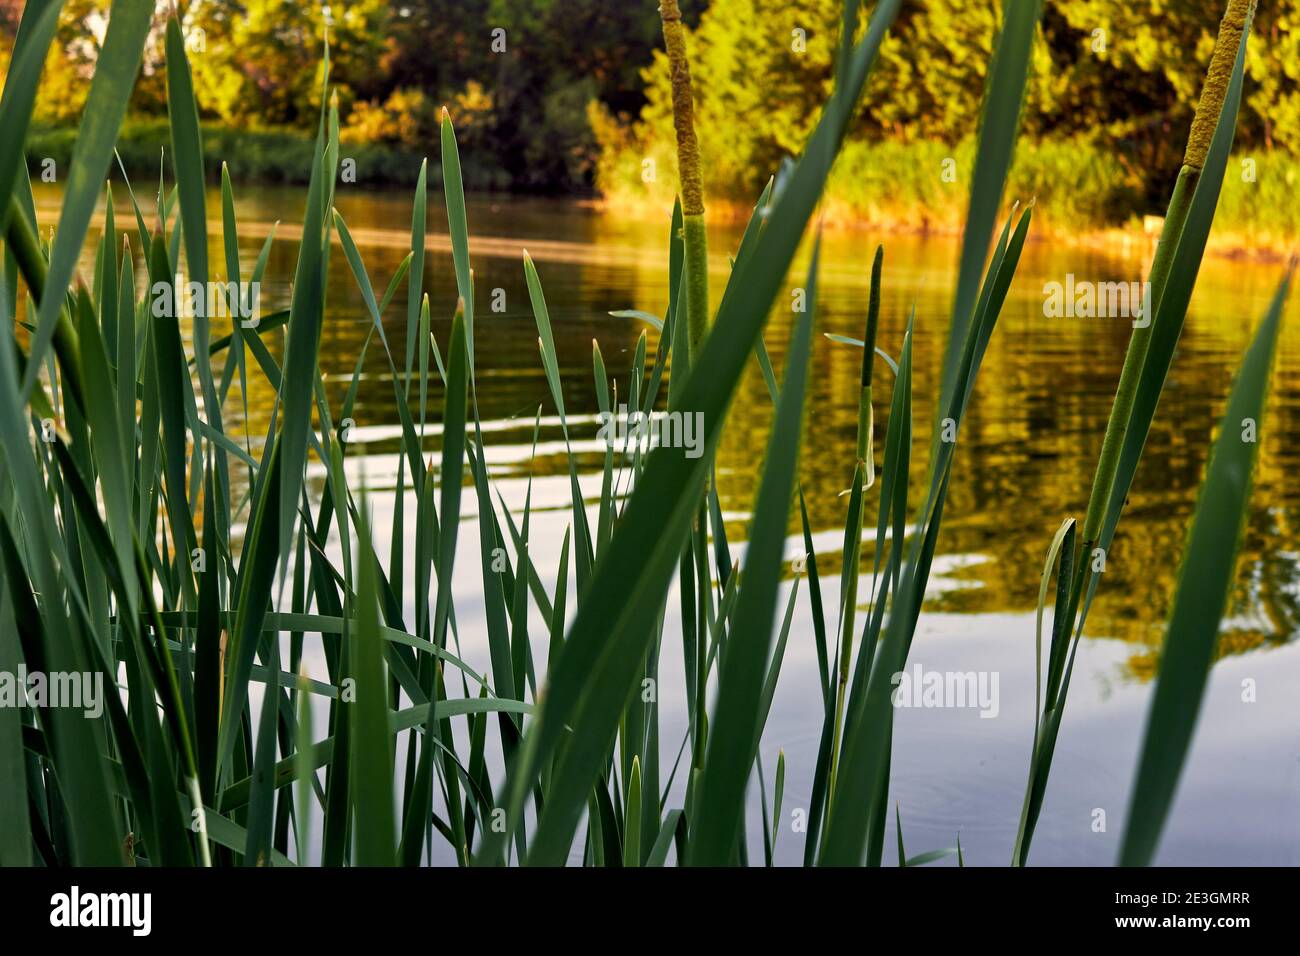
(142, 541)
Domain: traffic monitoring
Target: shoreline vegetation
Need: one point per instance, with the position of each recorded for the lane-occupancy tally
(1080, 195)
(885, 187)
(1105, 103)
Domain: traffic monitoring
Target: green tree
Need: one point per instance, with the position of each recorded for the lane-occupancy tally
(762, 72)
(261, 60)
(1120, 77)
(561, 55)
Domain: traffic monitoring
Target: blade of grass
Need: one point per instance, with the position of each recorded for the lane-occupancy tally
(115, 71)
(22, 78)
(372, 762)
(737, 714)
(1202, 595)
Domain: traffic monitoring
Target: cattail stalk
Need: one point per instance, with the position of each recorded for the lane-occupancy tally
(1208, 110)
(688, 171)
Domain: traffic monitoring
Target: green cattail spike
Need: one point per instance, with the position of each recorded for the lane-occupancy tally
(688, 171)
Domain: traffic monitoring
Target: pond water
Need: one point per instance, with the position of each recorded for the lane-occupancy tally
(1024, 463)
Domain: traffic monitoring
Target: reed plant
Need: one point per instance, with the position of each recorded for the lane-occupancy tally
(193, 566)
(1080, 560)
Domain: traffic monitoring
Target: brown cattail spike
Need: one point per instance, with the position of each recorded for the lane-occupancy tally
(688, 148)
(1215, 90)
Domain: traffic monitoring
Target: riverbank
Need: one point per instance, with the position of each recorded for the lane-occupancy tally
(1226, 241)
(1083, 196)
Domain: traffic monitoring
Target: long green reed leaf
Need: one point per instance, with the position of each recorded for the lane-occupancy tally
(1202, 595)
(738, 710)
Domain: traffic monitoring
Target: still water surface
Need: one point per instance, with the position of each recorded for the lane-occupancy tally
(1025, 462)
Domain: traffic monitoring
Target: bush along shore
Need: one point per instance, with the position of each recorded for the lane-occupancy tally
(261, 156)
(1082, 194)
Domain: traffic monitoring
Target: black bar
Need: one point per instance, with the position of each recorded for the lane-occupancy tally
(336, 906)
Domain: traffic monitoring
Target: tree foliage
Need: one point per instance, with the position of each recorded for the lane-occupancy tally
(1118, 76)
(543, 90)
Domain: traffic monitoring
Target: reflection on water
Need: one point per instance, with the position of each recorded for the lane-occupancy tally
(1025, 456)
